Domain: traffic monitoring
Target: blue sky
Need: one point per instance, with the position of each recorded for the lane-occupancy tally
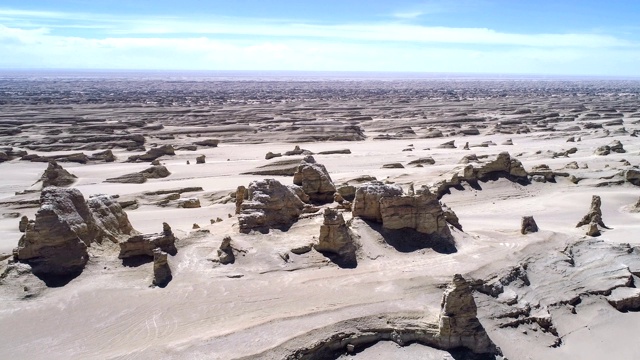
(552, 37)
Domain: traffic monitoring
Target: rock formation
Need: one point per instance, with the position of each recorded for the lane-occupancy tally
(593, 218)
(241, 195)
(271, 155)
(190, 203)
(143, 245)
(336, 239)
(366, 203)
(315, 181)
(225, 252)
(56, 175)
(200, 159)
(270, 205)
(451, 217)
(422, 213)
(632, 176)
(154, 172)
(528, 225)
(153, 154)
(22, 226)
(161, 270)
(458, 322)
(56, 242)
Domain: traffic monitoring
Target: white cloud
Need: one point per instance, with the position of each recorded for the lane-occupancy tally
(170, 43)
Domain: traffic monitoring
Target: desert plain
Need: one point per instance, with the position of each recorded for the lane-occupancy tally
(382, 191)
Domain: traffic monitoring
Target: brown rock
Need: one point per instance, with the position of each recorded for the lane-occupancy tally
(55, 175)
(161, 270)
(458, 322)
(154, 172)
(225, 252)
(143, 245)
(422, 213)
(528, 225)
(190, 203)
(271, 155)
(632, 176)
(336, 239)
(56, 242)
(270, 205)
(595, 213)
(22, 226)
(200, 159)
(153, 154)
(315, 181)
(367, 198)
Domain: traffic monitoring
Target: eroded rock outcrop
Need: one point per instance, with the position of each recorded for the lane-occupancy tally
(225, 252)
(593, 218)
(153, 154)
(161, 270)
(422, 213)
(315, 181)
(56, 175)
(269, 205)
(336, 239)
(143, 245)
(366, 203)
(458, 322)
(55, 244)
(154, 172)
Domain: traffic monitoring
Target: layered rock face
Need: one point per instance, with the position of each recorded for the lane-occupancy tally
(503, 165)
(56, 175)
(335, 238)
(315, 181)
(270, 205)
(422, 213)
(458, 322)
(112, 222)
(56, 242)
(366, 203)
(144, 245)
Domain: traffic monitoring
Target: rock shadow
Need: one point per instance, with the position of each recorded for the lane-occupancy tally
(54, 281)
(138, 260)
(409, 240)
(164, 284)
(344, 262)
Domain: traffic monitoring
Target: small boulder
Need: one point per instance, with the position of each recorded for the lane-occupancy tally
(200, 159)
(225, 252)
(528, 225)
(271, 155)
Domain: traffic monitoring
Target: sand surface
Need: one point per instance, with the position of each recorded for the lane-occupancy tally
(254, 306)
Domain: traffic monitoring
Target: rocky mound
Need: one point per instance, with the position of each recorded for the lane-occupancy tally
(270, 205)
(144, 245)
(154, 172)
(153, 154)
(336, 239)
(420, 219)
(55, 244)
(56, 175)
(458, 321)
(315, 181)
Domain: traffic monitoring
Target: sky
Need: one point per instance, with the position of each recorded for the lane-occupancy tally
(546, 37)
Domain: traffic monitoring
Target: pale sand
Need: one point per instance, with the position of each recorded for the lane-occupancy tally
(110, 312)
